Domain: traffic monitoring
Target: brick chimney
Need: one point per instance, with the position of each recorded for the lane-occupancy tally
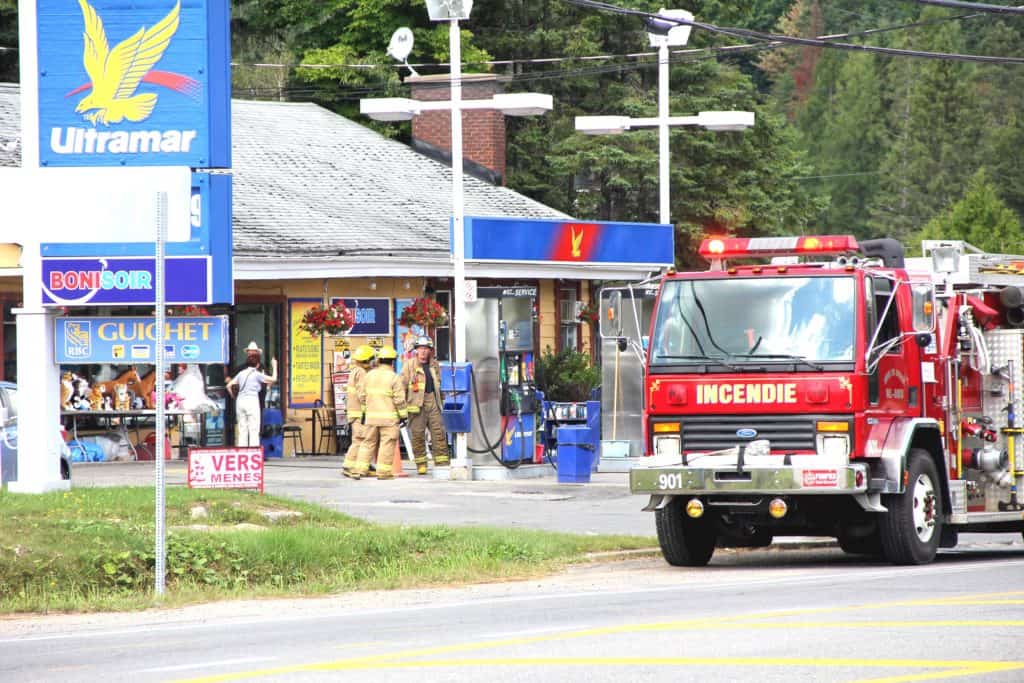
(483, 130)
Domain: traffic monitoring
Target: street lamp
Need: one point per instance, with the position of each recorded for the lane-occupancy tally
(404, 109)
(663, 35)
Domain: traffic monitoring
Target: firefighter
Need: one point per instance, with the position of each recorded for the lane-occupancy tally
(422, 376)
(362, 358)
(382, 397)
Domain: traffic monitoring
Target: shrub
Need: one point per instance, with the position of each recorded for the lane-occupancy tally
(567, 375)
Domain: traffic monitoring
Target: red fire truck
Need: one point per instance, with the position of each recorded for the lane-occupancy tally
(838, 389)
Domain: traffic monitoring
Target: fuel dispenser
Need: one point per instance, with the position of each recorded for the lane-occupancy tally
(500, 347)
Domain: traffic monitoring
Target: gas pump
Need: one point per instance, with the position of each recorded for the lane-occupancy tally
(500, 330)
(519, 403)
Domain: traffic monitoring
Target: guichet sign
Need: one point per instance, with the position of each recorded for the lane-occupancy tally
(225, 468)
(121, 340)
(138, 83)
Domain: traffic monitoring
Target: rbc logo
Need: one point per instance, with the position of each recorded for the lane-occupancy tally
(77, 338)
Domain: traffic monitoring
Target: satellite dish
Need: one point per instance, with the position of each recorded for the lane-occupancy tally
(401, 44)
(400, 47)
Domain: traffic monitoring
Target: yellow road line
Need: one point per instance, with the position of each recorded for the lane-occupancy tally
(939, 669)
(755, 620)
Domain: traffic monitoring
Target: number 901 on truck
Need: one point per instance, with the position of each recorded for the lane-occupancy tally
(816, 386)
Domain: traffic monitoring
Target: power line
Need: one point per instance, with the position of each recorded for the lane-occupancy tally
(975, 6)
(793, 40)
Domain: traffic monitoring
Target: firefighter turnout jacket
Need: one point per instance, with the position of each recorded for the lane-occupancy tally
(356, 378)
(382, 397)
(416, 382)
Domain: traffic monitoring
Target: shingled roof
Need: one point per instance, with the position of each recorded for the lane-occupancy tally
(309, 184)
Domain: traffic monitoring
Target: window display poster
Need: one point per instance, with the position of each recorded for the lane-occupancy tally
(405, 337)
(305, 358)
(373, 316)
(339, 380)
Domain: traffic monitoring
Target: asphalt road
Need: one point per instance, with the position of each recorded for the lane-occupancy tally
(765, 615)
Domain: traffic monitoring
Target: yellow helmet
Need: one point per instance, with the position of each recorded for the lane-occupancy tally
(364, 353)
(387, 353)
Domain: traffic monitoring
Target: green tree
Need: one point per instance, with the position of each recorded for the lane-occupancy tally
(934, 122)
(980, 218)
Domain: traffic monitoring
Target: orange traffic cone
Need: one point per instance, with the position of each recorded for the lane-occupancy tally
(396, 465)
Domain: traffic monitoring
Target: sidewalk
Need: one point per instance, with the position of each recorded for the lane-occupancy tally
(604, 506)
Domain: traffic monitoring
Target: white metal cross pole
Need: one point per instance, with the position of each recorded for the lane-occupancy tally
(663, 131)
(160, 570)
(38, 375)
(458, 235)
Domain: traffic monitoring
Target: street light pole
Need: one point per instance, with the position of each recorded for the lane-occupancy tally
(458, 212)
(663, 149)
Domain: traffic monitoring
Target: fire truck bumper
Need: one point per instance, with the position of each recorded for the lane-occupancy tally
(669, 480)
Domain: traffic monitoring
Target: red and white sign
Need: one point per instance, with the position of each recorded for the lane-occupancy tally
(225, 468)
(821, 478)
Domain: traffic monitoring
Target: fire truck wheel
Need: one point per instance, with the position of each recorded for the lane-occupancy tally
(861, 545)
(684, 542)
(912, 527)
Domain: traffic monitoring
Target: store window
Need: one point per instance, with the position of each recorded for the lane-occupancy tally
(569, 329)
(442, 334)
(8, 341)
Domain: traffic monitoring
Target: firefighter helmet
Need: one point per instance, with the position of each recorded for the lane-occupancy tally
(364, 353)
(424, 341)
(387, 353)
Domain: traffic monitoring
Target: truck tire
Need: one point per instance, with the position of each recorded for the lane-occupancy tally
(684, 542)
(861, 545)
(911, 529)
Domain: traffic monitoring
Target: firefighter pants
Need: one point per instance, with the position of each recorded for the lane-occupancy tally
(429, 418)
(380, 442)
(356, 429)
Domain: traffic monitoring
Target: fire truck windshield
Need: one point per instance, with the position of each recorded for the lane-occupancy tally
(738, 321)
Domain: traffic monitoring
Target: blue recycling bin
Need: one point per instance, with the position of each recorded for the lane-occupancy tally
(456, 391)
(577, 449)
(271, 436)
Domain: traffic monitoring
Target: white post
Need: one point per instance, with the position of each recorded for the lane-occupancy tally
(663, 146)
(458, 235)
(38, 375)
(160, 568)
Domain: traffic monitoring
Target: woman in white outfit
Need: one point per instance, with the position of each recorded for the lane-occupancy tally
(245, 387)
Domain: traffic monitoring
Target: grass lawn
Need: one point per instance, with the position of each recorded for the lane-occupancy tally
(93, 549)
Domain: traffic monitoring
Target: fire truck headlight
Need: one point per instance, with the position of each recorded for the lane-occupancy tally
(834, 445)
(667, 445)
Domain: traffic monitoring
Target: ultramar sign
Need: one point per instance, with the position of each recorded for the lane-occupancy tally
(225, 468)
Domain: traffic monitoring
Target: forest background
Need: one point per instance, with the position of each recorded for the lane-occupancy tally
(845, 141)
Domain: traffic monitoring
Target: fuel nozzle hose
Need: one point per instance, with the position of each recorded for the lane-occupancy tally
(483, 430)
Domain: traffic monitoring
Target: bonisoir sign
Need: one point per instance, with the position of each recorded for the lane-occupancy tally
(121, 340)
(134, 83)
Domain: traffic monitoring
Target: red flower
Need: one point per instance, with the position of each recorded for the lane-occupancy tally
(334, 319)
(423, 312)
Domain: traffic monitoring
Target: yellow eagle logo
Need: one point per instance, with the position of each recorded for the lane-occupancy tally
(116, 74)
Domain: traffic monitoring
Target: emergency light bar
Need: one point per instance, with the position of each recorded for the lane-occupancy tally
(738, 247)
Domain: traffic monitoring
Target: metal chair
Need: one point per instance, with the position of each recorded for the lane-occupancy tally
(293, 433)
(326, 431)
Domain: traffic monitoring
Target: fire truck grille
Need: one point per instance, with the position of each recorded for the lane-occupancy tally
(714, 432)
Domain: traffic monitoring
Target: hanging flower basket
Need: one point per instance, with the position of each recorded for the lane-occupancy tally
(425, 313)
(589, 314)
(190, 310)
(334, 319)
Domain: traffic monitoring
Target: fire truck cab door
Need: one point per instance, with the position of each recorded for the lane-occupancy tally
(893, 383)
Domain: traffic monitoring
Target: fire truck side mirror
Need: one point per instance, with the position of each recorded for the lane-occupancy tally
(923, 339)
(623, 344)
(611, 314)
(923, 297)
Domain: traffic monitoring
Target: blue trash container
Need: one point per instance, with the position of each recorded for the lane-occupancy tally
(271, 437)
(576, 452)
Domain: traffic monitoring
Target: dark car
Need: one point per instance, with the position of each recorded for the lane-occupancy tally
(9, 437)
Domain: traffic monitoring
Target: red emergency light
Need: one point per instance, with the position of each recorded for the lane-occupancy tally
(739, 247)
